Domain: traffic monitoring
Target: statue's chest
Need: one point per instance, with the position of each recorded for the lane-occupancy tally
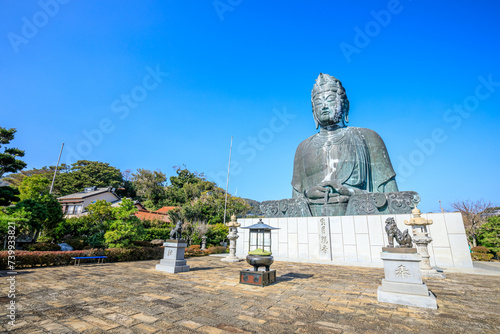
(322, 160)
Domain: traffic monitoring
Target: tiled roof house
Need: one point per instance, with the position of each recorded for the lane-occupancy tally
(160, 214)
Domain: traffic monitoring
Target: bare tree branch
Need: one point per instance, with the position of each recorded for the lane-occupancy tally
(472, 212)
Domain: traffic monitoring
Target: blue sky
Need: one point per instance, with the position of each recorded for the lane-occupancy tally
(153, 84)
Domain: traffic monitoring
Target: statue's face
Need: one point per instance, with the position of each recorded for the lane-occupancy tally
(327, 108)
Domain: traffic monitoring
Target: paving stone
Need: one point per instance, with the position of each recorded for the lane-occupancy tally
(100, 323)
(78, 325)
(144, 318)
(53, 327)
(210, 330)
(190, 324)
(143, 328)
(132, 297)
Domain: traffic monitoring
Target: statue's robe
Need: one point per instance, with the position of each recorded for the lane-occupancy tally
(353, 157)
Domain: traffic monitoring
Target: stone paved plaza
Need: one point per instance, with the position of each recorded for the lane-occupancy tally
(132, 297)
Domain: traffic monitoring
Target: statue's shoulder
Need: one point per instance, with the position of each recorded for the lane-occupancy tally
(307, 141)
(370, 136)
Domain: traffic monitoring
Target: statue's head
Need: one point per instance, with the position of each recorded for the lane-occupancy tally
(329, 102)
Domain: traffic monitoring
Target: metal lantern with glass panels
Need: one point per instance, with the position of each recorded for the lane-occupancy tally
(260, 236)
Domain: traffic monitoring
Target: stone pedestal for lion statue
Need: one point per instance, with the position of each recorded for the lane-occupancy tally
(403, 281)
(173, 258)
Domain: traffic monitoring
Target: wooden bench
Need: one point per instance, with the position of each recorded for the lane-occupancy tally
(100, 259)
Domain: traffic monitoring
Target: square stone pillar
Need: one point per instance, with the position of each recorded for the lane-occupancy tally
(403, 280)
(173, 258)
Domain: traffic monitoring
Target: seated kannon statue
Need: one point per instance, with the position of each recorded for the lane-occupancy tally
(341, 170)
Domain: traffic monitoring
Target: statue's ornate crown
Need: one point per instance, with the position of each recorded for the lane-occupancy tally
(325, 83)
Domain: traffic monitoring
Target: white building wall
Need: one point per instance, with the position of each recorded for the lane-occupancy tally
(358, 240)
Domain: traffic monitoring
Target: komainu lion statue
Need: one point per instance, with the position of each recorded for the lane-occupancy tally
(403, 239)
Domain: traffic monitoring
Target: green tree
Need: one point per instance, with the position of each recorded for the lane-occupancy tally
(36, 214)
(94, 224)
(84, 173)
(15, 179)
(201, 203)
(209, 207)
(8, 159)
(217, 233)
(128, 188)
(8, 195)
(186, 186)
(489, 234)
(9, 164)
(6, 220)
(150, 187)
(34, 187)
(126, 228)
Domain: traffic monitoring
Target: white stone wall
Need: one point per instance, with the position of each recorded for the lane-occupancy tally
(357, 240)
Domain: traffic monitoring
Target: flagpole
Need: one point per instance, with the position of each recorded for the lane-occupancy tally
(227, 179)
(55, 172)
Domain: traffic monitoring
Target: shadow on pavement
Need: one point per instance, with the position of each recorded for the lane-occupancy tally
(291, 276)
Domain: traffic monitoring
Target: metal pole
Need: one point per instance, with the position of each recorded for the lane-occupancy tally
(55, 172)
(227, 180)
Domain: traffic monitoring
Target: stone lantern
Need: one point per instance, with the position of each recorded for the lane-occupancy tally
(422, 239)
(232, 236)
(259, 255)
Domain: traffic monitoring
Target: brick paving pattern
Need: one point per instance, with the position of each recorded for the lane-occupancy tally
(132, 297)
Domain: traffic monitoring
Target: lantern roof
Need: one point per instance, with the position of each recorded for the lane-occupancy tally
(261, 226)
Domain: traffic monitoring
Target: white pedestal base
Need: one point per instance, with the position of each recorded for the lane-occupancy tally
(403, 281)
(173, 259)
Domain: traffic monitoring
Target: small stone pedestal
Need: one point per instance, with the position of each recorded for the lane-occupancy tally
(403, 280)
(173, 259)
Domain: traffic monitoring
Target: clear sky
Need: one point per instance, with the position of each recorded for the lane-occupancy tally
(153, 84)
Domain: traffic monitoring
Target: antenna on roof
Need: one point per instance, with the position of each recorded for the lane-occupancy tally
(55, 172)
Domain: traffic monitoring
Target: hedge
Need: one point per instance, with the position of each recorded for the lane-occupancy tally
(194, 250)
(25, 259)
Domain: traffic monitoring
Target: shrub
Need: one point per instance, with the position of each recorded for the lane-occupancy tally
(153, 233)
(217, 250)
(77, 244)
(480, 249)
(134, 254)
(25, 259)
(43, 247)
(217, 233)
(141, 243)
(481, 257)
(481, 253)
(122, 233)
(195, 251)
